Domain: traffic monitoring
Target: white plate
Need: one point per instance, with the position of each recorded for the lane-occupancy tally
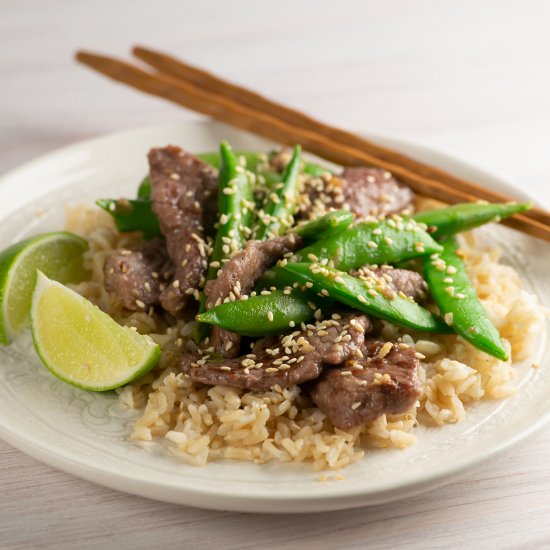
(85, 433)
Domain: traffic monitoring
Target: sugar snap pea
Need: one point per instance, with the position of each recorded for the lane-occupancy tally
(463, 217)
(276, 215)
(324, 227)
(235, 209)
(261, 315)
(132, 215)
(458, 302)
(366, 297)
(381, 242)
(144, 189)
(368, 243)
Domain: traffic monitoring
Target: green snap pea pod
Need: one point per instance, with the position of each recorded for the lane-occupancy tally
(326, 226)
(261, 315)
(132, 215)
(256, 162)
(384, 242)
(235, 207)
(315, 170)
(365, 297)
(144, 189)
(462, 217)
(251, 160)
(368, 243)
(458, 302)
(281, 204)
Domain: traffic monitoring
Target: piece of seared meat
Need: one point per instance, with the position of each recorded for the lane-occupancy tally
(238, 277)
(364, 191)
(384, 382)
(182, 186)
(286, 360)
(136, 277)
(394, 281)
(372, 191)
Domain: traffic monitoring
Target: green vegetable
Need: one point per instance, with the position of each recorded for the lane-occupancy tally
(462, 217)
(132, 215)
(326, 226)
(252, 160)
(458, 302)
(262, 314)
(361, 295)
(235, 210)
(368, 243)
(144, 189)
(279, 206)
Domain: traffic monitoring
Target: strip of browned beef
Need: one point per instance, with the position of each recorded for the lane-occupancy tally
(238, 277)
(410, 283)
(136, 277)
(385, 382)
(372, 191)
(364, 191)
(290, 359)
(181, 185)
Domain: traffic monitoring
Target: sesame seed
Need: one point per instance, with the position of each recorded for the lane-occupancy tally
(139, 303)
(270, 315)
(448, 318)
(356, 405)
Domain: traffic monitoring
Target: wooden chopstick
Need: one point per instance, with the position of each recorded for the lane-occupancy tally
(211, 83)
(260, 123)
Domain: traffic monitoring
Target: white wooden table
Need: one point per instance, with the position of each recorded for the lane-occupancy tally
(470, 78)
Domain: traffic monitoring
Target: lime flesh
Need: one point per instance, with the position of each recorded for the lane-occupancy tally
(81, 344)
(58, 255)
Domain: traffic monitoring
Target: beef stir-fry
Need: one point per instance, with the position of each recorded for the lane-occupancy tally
(289, 288)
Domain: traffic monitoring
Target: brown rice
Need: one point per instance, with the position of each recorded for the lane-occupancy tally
(199, 423)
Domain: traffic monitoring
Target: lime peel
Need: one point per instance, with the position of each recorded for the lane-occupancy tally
(58, 254)
(82, 345)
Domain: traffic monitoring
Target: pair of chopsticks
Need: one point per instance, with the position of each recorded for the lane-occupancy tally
(205, 93)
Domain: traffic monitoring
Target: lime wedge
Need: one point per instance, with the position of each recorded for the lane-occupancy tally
(58, 255)
(81, 344)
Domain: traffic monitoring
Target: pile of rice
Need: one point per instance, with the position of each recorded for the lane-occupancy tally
(198, 423)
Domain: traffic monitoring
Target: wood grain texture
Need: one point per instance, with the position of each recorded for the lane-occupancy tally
(467, 77)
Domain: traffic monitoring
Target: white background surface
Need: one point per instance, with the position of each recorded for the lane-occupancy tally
(470, 78)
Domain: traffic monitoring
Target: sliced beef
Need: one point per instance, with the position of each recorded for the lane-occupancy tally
(364, 191)
(374, 191)
(136, 277)
(393, 281)
(239, 276)
(385, 382)
(182, 185)
(290, 359)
